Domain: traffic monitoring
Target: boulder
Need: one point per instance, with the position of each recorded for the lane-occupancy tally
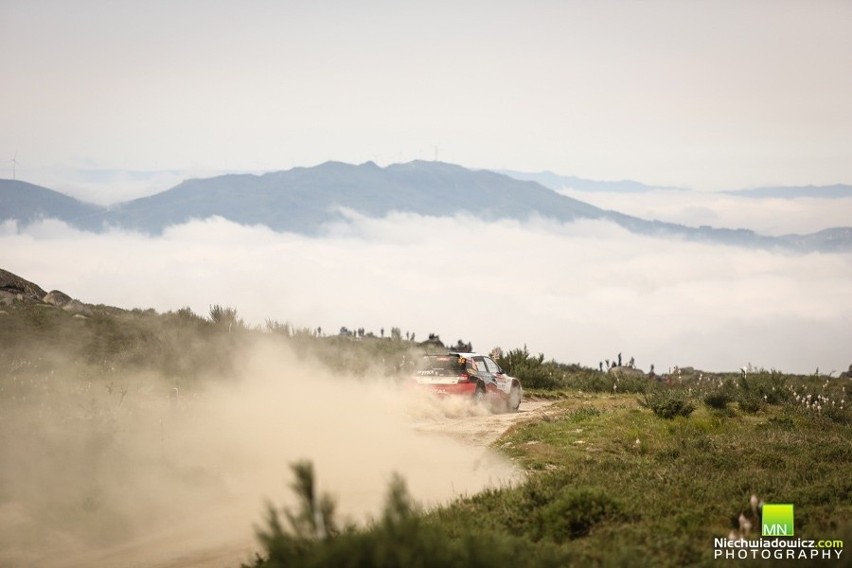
(624, 372)
(77, 307)
(17, 286)
(56, 298)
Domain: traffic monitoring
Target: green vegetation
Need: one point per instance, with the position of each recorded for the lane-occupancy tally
(667, 403)
(548, 378)
(36, 340)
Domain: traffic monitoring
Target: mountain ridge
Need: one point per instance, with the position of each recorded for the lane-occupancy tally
(305, 200)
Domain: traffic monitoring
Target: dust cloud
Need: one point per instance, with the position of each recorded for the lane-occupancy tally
(133, 472)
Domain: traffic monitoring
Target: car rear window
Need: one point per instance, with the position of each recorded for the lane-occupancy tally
(441, 366)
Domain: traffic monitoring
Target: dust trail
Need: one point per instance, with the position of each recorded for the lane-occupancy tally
(135, 473)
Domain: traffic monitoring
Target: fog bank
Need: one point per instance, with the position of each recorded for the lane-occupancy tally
(579, 292)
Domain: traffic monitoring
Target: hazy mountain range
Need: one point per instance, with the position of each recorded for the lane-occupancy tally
(558, 182)
(304, 200)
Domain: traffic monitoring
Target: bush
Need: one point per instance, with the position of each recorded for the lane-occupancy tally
(667, 403)
(532, 371)
(750, 402)
(576, 511)
(717, 399)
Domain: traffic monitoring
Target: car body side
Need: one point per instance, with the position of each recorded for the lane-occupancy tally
(471, 375)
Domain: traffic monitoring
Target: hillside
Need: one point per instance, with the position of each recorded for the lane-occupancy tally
(558, 182)
(28, 203)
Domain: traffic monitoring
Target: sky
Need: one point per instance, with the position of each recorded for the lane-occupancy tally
(707, 95)
(108, 100)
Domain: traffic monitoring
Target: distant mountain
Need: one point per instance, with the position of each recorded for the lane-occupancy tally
(28, 203)
(306, 200)
(302, 200)
(558, 182)
(793, 192)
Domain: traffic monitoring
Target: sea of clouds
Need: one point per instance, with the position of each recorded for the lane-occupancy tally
(577, 292)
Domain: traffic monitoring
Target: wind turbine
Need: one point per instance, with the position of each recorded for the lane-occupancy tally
(14, 161)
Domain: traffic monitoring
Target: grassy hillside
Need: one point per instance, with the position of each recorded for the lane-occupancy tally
(624, 470)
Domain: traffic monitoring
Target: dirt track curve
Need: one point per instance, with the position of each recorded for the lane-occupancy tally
(474, 428)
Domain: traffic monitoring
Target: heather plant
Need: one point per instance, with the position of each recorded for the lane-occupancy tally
(667, 403)
(717, 399)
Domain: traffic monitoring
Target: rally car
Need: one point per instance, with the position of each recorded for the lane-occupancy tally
(470, 375)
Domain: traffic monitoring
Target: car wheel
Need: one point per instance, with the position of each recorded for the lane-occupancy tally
(514, 400)
(479, 394)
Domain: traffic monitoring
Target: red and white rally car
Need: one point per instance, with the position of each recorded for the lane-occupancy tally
(469, 375)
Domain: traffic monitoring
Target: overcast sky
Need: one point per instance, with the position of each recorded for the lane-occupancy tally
(709, 95)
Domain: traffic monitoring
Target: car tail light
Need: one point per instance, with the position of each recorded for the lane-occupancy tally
(464, 378)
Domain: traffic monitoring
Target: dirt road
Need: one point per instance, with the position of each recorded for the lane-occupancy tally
(188, 544)
(481, 428)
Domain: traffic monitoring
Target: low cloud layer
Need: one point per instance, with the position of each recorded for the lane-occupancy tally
(580, 292)
(694, 208)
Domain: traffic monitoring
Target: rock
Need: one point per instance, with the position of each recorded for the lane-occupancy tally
(17, 286)
(623, 372)
(56, 298)
(77, 307)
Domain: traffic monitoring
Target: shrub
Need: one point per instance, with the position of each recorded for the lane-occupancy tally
(667, 403)
(750, 402)
(573, 513)
(717, 399)
(532, 371)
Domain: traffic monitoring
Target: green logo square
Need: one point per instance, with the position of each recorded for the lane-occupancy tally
(777, 520)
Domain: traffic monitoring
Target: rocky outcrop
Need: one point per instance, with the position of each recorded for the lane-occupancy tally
(13, 286)
(14, 289)
(56, 298)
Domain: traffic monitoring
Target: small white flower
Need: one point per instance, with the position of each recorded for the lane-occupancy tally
(745, 524)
